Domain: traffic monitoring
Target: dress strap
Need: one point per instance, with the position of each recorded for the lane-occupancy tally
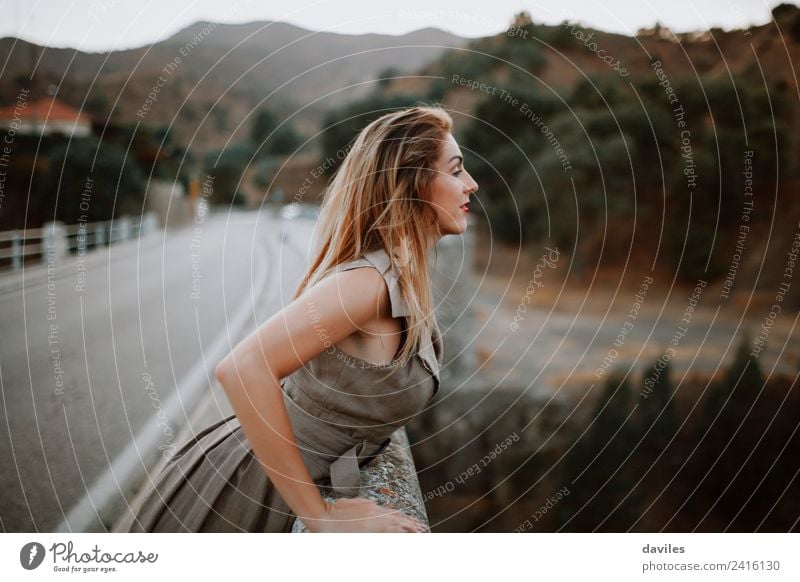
(380, 259)
(345, 471)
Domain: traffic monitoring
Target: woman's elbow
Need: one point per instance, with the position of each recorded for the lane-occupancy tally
(238, 365)
(222, 370)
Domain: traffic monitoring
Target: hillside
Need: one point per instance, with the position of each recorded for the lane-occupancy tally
(285, 67)
(676, 151)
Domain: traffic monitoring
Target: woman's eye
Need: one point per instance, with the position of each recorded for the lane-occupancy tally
(456, 173)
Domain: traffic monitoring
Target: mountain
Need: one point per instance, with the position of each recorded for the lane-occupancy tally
(220, 72)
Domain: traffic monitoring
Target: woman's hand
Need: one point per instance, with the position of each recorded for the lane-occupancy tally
(362, 515)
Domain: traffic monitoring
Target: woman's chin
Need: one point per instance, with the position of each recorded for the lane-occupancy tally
(454, 226)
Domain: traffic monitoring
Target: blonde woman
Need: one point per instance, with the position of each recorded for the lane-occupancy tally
(318, 388)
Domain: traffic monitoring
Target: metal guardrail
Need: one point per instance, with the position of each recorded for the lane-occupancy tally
(55, 240)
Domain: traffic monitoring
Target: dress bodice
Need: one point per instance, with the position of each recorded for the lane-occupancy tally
(341, 404)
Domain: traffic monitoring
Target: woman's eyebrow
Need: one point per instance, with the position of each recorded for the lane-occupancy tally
(454, 157)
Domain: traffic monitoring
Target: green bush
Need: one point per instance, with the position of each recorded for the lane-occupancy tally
(272, 137)
(598, 467)
(117, 187)
(227, 167)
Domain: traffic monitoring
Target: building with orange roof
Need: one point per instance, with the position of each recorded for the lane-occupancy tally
(45, 116)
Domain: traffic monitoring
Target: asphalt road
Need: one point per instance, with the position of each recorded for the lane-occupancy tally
(103, 362)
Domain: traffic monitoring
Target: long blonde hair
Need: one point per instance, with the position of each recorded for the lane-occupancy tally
(380, 197)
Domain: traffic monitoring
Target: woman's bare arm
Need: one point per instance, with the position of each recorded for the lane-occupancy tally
(331, 310)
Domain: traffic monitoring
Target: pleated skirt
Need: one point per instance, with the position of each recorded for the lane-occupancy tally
(214, 483)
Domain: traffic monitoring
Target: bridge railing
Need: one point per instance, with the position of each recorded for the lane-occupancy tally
(56, 240)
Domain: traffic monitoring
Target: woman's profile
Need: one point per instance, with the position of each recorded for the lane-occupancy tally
(318, 388)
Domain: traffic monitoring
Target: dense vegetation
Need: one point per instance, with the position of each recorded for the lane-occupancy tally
(590, 157)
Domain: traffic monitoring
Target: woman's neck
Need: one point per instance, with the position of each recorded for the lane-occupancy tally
(433, 238)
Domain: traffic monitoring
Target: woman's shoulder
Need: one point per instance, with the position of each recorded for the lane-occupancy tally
(377, 258)
(380, 260)
(362, 286)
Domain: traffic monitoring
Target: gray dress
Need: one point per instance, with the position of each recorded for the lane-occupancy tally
(343, 411)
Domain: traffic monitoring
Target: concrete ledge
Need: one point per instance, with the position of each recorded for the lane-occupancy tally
(390, 480)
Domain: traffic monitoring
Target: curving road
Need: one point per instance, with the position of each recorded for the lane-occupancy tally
(104, 361)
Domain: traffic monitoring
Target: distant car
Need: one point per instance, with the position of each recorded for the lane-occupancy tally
(292, 211)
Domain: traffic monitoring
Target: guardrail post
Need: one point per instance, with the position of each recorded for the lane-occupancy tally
(124, 228)
(113, 231)
(54, 242)
(16, 250)
(149, 223)
(99, 234)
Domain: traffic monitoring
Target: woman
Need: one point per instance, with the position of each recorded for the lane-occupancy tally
(358, 351)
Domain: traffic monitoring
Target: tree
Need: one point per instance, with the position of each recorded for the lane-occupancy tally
(117, 184)
(732, 426)
(273, 137)
(522, 18)
(228, 169)
(386, 75)
(785, 10)
(657, 412)
(601, 480)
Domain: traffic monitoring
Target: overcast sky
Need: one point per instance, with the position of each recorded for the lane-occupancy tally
(98, 25)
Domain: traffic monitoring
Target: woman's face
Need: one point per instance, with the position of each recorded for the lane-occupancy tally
(451, 189)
